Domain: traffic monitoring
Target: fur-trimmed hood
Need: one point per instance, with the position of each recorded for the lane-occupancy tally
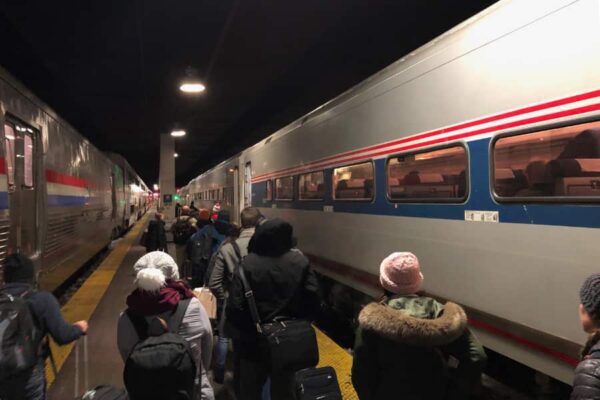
(398, 326)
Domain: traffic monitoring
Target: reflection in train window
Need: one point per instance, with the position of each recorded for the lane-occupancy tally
(284, 188)
(28, 160)
(311, 186)
(9, 150)
(353, 182)
(434, 175)
(561, 162)
(269, 190)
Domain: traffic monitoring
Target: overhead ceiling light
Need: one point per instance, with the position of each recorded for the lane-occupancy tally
(191, 83)
(155, 186)
(175, 155)
(178, 133)
(192, 87)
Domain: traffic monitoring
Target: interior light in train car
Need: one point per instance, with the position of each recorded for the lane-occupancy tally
(9, 137)
(155, 186)
(178, 133)
(175, 155)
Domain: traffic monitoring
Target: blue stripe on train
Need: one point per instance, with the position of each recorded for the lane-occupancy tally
(59, 200)
(3, 200)
(480, 198)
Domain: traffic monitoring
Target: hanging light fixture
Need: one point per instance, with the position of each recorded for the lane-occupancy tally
(191, 83)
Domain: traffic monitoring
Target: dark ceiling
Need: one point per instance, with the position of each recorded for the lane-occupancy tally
(112, 68)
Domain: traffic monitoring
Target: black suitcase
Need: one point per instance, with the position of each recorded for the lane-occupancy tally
(317, 384)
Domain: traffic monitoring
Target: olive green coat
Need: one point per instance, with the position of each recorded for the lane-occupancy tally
(414, 348)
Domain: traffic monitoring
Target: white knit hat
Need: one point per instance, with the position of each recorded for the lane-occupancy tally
(153, 270)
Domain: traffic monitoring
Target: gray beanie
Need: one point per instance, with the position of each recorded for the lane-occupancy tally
(590, 295)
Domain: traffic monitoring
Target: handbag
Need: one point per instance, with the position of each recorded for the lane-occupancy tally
(287, 344)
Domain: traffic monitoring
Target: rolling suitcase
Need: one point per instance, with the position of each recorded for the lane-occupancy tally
(317, 384)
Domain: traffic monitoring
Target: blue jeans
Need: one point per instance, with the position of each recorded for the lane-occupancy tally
(221, 349)
(28, 385)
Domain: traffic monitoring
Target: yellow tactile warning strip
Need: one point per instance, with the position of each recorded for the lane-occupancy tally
(83, 303)
(330, 354)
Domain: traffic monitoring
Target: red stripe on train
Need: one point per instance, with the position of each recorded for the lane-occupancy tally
(57, 177)
(481, 131)
(2, 166)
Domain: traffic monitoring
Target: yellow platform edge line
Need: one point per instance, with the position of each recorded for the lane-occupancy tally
(332, 355)
(84, 301)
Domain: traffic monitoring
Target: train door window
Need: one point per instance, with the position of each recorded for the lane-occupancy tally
(311, 186)
(248, 185)
(559, 164)
(28, 160)
(284, 188)
(9, 149)
(354, 182)
(435, 175)
(269, 190)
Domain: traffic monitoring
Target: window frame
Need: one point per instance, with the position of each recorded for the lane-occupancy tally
(366, 161)
(535, 199)
(275, 188)
(298, 185)
(461, 200)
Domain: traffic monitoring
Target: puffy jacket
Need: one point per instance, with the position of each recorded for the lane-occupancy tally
(586, 384)
(403, 349)
(284, 285)
(195, 328)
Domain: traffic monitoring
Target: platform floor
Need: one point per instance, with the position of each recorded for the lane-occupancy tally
(100, 300)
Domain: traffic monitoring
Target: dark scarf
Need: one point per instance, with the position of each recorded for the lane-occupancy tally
(146, 304)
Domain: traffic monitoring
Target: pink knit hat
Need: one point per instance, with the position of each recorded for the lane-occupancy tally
(400, 273)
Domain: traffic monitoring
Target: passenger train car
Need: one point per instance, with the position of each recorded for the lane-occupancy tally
(61, 199)
(479, 152)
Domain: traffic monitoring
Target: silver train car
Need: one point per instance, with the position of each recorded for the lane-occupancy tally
(61, 199)
(479, 152)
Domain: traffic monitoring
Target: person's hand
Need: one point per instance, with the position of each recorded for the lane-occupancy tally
(83, 325)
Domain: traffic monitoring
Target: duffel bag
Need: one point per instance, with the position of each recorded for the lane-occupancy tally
(317, 383)
(289, 344)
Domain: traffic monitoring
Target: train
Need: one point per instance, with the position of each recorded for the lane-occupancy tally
(479, 152)
(61, 199)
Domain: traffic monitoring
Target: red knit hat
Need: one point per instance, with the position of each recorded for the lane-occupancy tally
(400, 273)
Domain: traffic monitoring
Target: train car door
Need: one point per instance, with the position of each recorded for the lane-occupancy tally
(20, 149)
(248, 185)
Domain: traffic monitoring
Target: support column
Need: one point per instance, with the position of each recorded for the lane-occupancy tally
(166, 179)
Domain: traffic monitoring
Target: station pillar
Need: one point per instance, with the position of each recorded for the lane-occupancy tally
(166, 177)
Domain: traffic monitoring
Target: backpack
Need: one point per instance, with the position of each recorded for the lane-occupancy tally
(182, 230)
(200, 249)
(163, 366)
(19, 341)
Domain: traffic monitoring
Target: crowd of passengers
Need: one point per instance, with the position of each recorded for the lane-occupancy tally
(408, 346)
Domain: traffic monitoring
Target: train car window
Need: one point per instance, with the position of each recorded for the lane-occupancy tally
(269, 190)
(284, 188)
(311, 186)
(9, 149)
(354, 182)
(433, 175)
(550, 164)
(28, 160)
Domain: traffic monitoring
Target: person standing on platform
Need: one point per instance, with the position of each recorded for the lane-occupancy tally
(586, 384)
(284, 285)
(156, 235)
(158, 292)
(228, 257)
(177, 210)
(43, 311)
(410, 346)
(203, 244)
(193, 207)
(182, 229)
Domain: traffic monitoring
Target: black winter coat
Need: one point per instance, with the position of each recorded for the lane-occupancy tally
(282, 286)
(586, 384)
(156, 237)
